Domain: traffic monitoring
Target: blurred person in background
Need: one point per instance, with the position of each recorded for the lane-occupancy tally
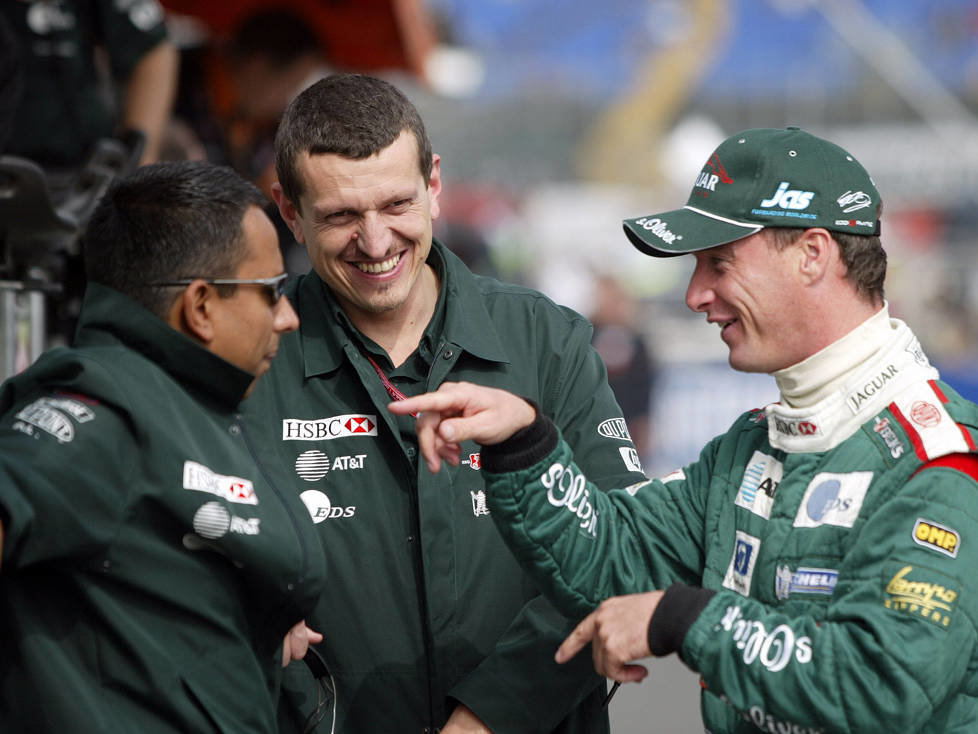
(150, 570)
(814, 564)
(429, 623)
(90, 70)
(631, 370)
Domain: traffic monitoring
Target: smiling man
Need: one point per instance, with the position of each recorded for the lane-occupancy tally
(815, 560)
(429, 623)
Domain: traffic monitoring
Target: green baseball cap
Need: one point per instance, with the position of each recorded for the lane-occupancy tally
(764, 178)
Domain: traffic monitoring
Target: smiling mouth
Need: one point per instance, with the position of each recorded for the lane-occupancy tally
(385, 266)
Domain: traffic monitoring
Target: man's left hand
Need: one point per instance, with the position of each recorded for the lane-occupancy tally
(463, 721)
(618, 631)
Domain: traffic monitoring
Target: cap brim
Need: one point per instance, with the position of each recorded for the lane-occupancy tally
(684, 230)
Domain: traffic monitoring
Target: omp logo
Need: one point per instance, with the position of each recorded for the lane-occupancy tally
(865, 392)
(761, 480)
(833, 499)
(936, 537)
(614, 428)
(233, 489)
(786, 198)
(931, 601)
(660, 229)
(569, 490)
(772, 650)
(320, 508)
(852, 201)
(326, 429)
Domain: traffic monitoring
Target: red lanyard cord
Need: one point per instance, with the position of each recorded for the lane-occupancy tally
(388, 385)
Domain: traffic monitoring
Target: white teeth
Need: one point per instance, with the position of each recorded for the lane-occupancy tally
(381, 267)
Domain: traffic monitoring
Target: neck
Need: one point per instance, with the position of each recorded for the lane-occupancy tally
(399, 330)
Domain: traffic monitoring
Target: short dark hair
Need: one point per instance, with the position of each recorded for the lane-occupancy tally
(863, 256)
(168, 221)
(352, 115)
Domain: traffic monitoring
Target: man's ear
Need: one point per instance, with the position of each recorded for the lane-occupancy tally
(817, 252)
(288, 211)
(192, 312)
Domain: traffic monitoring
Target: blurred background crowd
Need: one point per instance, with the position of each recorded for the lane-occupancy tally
(555, 119)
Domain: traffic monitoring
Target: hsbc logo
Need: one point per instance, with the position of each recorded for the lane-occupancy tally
(795, 428)
(199, 478)
(326, 429)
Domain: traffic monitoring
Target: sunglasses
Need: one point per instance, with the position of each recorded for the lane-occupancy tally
(275, 284)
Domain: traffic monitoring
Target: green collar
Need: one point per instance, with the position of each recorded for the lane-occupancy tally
(326, 332)
(108, 317)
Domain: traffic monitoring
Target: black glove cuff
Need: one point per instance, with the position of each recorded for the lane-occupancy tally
(680, 606)
(524, 448)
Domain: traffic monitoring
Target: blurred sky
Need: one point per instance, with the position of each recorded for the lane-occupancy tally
(594, 47)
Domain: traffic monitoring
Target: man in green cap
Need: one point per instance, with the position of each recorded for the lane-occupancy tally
(814, 564)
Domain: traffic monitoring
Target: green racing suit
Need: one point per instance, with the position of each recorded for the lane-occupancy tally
(815, 560)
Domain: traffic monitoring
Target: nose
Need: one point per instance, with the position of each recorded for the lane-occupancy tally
(286, 319)
(699, 292)
(373, 236)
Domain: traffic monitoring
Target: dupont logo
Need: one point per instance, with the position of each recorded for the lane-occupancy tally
(615, 428)
(326, 429)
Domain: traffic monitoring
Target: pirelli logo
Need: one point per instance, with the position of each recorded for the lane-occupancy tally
(326, 429)
(937, 537)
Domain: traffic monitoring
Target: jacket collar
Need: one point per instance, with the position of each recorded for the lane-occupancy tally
(326, 332)
(108, 317)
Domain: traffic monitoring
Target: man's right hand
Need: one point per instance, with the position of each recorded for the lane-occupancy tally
(463, 411)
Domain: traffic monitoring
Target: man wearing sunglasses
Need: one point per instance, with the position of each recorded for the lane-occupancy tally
(150, 570)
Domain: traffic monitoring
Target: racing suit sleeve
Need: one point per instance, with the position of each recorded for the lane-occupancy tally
(894, 642)
(897, 639)
(518, 686)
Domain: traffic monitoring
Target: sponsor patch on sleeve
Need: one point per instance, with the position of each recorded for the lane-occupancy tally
(936, 537)
(741, 568)
(919, 592)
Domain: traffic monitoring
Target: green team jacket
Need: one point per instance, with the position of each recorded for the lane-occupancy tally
(425, 606)
(150, 570)
(831, 553)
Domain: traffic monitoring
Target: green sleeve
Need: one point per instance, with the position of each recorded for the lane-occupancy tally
(896, 640)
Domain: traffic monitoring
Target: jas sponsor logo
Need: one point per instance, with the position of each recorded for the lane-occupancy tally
(569, 490)
(861, 395)
(853, 201)
(933, 599)
(804, 581)
(479, 505)
(885, 431)
(786, 198)
(925, 414)
(51, 416)
(741, 568)
(213, 520)
(761, 480)
(615, 428)
(833, 499)
(773, 649)
(937, 537)
(321, 509)
(313, 465)
(792, 427)
(630, 456)
(233, 489)
(326, 429)
(659, 228)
